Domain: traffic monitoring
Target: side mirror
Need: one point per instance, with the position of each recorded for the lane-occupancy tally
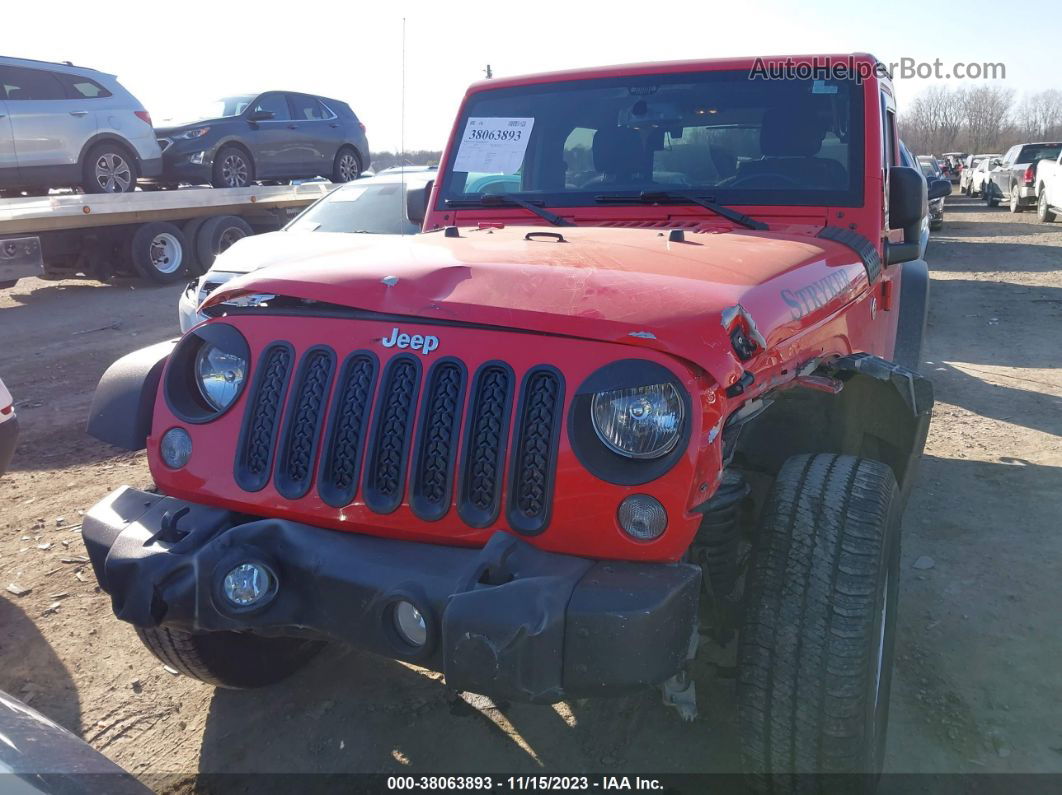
(417, 203)
(908, 205)
(939, 188)
(262, 115)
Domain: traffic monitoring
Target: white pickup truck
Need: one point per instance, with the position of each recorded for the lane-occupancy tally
(1049, 189)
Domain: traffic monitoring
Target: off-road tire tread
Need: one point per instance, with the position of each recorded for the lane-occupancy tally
(803, 654)
(228, 659)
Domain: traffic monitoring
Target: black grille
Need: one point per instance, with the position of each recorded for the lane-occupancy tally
(484, 458)
(254, 458)
(337, 479)
(385, 469)
(437, 437)
(306, 412)
(534, 462)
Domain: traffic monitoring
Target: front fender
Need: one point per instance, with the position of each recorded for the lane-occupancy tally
(124, 401)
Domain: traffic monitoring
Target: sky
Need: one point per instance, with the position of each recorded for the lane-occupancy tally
(175, 59)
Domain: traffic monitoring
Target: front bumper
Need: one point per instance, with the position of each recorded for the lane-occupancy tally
(508, 620)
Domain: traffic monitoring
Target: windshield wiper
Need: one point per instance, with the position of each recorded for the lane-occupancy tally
(488, 199)
(664, 197)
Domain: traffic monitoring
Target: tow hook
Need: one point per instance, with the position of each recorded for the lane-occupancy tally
(679, 691)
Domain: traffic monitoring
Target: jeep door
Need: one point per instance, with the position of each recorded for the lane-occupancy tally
(317, 135)
(8, 164)
(49, 129)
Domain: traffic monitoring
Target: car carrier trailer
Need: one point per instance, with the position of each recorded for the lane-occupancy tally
(162, 236)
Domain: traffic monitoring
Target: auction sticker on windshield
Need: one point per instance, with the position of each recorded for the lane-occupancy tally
(493, 145)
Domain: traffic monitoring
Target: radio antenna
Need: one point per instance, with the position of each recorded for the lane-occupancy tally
(402, 135)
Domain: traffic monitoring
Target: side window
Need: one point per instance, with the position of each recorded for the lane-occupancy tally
(308, 108)
(30, 84)
(275, 104)
(890, 138)
(78, 87)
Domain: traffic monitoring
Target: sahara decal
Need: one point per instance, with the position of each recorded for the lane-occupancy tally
(815, 295)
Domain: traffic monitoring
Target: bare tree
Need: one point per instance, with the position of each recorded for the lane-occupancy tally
(1039, 116)
(986, 109)
(934, 120)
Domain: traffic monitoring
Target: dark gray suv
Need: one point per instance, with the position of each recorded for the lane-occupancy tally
(273, 135)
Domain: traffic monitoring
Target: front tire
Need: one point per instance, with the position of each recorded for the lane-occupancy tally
(1043, 209)
(989, 191)
(1015, 202)
(233, 168)
(816, 647)
(229, 659)
(109, 168)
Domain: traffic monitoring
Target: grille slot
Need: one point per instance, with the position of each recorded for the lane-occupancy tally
(254, 459)
(483, 462)
(437, 438)
(534, 458)
(302, 430)
(338, 473)
(385, 469)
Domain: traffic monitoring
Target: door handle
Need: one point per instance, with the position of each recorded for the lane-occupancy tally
(292, 127)
(79, 113)
(333, 124)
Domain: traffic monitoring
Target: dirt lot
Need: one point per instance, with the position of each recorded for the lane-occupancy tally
(977, 685)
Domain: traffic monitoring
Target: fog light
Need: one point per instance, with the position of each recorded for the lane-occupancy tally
(197, 158)
(248, 584)
(176, 448)
(410, 624)
(642, 517)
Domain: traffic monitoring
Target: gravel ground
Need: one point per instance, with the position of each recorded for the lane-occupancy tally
(976, 686)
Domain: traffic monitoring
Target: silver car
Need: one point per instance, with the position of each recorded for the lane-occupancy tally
(68, 126)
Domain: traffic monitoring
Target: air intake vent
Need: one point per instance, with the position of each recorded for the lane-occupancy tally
(437, 437)
(385, 469)
(254, 458)
(302, 429)
(337, 478)
(534, 462)
(483, 461)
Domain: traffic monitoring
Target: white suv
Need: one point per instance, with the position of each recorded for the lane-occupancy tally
(67, 126)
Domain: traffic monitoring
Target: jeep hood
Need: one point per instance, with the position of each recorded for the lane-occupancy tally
(628, 286)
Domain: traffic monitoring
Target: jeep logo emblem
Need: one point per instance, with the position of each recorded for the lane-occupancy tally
(425, 343)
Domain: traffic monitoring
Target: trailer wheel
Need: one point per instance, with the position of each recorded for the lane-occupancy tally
(191, 237)
(157, 252)
(216, 235)
(816, 648)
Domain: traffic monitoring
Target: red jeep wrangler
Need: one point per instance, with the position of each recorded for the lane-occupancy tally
(646, 381)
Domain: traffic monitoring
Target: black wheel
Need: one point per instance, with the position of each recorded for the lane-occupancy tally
(216, 235)
(816, 648)
(233, 168)
(347, 166)
(109, 168)
(936, 226)
(989, 192)
(229, 659)
(964, 190)
(157, 252)
(191, 236)
(1043, 209)
(1015, 203)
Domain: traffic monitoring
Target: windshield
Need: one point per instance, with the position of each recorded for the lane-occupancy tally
(1032, 153)
(734, 139)
(219, 108)
(930, 168)
(378, 209)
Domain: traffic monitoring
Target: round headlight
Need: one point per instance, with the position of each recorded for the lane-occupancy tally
(639, 422)
(219, 375)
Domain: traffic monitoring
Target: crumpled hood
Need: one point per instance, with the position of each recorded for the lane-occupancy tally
(629, 286)
(259, 251)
